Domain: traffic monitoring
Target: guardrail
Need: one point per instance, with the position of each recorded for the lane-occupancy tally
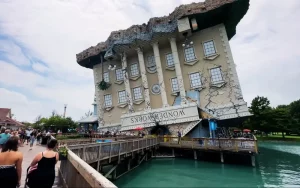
(77, 141)
(219, 144)
(75, 173)
(100, 151)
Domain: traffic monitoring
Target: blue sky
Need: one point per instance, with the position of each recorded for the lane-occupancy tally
(39, 41)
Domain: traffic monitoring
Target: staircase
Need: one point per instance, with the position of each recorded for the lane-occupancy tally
(190, 127)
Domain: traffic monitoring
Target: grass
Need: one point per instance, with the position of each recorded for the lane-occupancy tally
(278, 137)
(65, 137)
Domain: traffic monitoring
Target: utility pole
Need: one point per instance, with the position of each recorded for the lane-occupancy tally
(65, 110)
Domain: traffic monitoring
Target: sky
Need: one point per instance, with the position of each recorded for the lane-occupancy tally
(39, 41)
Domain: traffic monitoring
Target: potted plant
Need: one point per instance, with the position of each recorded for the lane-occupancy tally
(63, 153)
(103, 85)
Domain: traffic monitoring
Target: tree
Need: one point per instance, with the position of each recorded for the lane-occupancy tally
(260, 109)
(87, 114)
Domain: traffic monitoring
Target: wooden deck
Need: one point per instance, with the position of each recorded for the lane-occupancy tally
(101, 151)
(221, 144)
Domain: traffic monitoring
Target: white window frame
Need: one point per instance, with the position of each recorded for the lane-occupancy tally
(122, 73)
(171, 81)
(106, 73)
(211, 75)
(191, 81)
(166, 56)
(105, 104)
(191, 60)
(141, 94)
(204, 49)
(138, 71)
(122, 102)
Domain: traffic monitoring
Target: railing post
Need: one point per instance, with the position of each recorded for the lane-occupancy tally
(255, 145)
(119, 159)
(236, 146)
(99, 157)
(110, 149)
(205, 143)
(83, 153)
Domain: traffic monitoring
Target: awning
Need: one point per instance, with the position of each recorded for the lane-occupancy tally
(90, 119)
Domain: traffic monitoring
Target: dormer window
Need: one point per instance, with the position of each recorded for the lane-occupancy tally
(134, 70)
(209, 48)
(189, 54)
(174, 84)
(107, 100)
(119, 75)
(216, 75)
(169, 60)
(106, 76)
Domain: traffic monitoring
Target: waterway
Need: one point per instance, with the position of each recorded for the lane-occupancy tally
(278, 165)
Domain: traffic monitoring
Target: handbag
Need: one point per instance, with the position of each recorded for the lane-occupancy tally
(32, 168)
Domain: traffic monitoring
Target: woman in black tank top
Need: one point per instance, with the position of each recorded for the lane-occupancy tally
(44, 175)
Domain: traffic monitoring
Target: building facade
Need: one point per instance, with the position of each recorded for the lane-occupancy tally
(177, 72)
(7, 121)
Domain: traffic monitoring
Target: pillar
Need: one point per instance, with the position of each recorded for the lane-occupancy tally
(97, 69)
(173, 153)
(253, 160)
(195, 154)
(126, 82)
(128, 164)
(178, 70)
(222, 157)
(144, 78)
(160, 74)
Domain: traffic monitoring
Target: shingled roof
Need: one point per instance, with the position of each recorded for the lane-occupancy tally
(166, 24)
(4, 119)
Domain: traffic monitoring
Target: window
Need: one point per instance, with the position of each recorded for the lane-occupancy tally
(150, 64)
(122, 97)
(170, 61)
(216, 75)
(209, 48)
(195, 79)
(175, 86)
(189, 54)
(119, 75)
(137, 93)
(106, 76)
(107, 100)
(134, 69)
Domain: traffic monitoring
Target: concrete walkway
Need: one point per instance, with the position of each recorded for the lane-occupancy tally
(28, 156)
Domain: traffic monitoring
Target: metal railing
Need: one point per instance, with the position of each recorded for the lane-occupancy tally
(222, 144)
(94, 152)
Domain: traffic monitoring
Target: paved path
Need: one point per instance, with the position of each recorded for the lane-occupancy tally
(28, 156)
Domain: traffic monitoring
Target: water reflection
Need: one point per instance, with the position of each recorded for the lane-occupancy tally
(278, 166)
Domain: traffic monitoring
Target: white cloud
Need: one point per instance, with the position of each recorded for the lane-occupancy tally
(265, 48)
(12, 52)
(39, 67)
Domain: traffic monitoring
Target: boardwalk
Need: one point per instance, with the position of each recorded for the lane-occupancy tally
(28, 157)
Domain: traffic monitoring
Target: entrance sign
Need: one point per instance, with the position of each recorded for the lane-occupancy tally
(164, 116)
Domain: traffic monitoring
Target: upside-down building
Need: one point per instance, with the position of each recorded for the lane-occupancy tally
(175, 73)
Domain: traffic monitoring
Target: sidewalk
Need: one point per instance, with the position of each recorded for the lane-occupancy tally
(28, 156)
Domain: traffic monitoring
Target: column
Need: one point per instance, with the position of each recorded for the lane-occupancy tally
(144, 78)
(160, 75)
(126, 82)
(178, 70)
(99, 94)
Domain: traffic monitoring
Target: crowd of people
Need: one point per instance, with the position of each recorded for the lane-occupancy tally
(41, 172)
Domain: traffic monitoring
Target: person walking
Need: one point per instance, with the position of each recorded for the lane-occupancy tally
(32, 138)
(44, 162)
(28, 133)
(10, 164)
(4, 136)
(179, 136)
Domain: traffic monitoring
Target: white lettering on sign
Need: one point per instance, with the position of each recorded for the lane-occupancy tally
(163, 116)
(158, 116)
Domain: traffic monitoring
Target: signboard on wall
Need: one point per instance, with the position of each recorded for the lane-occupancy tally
(164, 116)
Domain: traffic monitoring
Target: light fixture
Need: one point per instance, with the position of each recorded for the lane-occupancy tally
(194, 24)
(112, 67)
